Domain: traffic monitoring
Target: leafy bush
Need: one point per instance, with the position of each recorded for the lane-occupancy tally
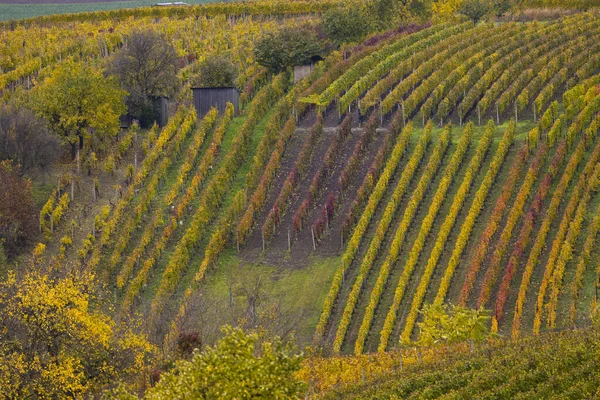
(17, 212)
(217, 71)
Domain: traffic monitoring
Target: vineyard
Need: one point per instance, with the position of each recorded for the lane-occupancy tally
(561, 366)
(437, 163)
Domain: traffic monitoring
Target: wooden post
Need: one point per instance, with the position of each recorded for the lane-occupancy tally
(534, 113)
(72, 229)
(237, 239)
(460, 119)
(116, 194)
(72, 188)
(289, 240)
(312, 232)
(401, 361)
(135, 162)
(78, 162)
(363, 374)
(516, 113)
(403, 119)
(497, 115)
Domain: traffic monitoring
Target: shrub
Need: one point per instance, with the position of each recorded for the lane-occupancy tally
(17, 212)
(217, 71)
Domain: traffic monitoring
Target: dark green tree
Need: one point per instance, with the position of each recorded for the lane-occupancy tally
(475, 10)
(217, 71)
(346, 24)
(287, 47)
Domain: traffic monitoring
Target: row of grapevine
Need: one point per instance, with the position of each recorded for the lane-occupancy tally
(386, 220)
(450, 219)
(324, 172)
(374, 199)
(359, 152)
(524, 238)
(362, 67)
(458, 92)
(147, 168)
(583, 262)
(398, 66)
(191, 154)
(445, 51)
(205, 127)
(567, 247)
(551, 213)
(560, 235)
(364, 190)
(193, 189)
(436, 86)
(407, 218)
(426, 226)
(532, 65)
(214, 193)
(477, 205)
(493, 224)
(152, 188)
(292, 180)
(500, 65)
(514, 216)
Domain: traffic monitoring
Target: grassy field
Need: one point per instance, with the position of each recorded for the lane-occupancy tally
(21, 11)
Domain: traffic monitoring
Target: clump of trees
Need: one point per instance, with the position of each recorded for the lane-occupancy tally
(25, 140)
(54, 345)
(146, 68)
(80, 104)
(18, 222)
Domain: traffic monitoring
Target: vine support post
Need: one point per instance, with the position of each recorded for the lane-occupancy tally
(135, 161)
(497, 115)
(78, 162)
(312, 233)
(72, 188)
(237, 240)
(403, 119)
(94, 190)
(534, 112)
(289, 240)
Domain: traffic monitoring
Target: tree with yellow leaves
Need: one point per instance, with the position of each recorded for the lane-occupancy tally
(79, 103)
(54, 345)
